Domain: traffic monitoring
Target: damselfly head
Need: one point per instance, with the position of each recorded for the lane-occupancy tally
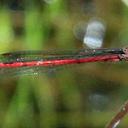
(94, 35)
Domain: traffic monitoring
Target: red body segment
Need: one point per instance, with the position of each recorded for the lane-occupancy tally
(65, 61)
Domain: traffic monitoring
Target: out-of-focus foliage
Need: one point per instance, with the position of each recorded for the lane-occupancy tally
(83, 96)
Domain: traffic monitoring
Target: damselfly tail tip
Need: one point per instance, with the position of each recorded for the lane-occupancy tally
(125, 55)
(125, 50)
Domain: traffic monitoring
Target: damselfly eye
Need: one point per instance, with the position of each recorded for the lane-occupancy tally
(94, 34)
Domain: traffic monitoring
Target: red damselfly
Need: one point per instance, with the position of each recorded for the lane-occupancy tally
(35, 60)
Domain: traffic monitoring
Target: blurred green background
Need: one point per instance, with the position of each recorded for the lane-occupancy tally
(79, 96)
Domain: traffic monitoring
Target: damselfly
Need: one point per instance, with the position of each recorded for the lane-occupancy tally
(37, 60)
